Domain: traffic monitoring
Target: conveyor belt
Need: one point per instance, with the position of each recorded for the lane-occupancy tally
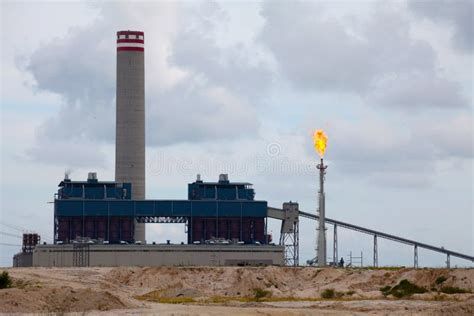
(278, 214)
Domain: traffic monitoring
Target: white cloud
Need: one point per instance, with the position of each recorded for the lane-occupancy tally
(365, 56)
(458, 14)
(416, 90)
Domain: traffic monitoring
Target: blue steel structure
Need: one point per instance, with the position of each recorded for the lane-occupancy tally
(104, 211)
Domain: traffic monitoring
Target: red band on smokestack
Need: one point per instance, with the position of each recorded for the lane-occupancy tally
(135, 49)
(130, 33)
(130, 41)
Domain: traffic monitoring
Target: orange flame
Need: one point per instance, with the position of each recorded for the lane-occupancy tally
(320, 141)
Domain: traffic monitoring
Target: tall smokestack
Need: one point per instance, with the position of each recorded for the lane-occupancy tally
(130, 120)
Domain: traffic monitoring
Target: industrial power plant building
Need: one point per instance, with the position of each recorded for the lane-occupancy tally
(104, 211)
(102, 223)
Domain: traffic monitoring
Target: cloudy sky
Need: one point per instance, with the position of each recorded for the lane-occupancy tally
(238, 87)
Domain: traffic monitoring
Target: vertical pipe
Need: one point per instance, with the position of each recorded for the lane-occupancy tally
(108, 222)
(191, 239)
(83, 219)
(321, 243)
(241, 222)
(296, 243)
(376, 254)
(266, 234)
(55, 222)
(415, 257)
(334, 247)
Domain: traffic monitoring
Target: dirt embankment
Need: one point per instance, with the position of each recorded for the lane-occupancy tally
(292, 290)
(285, 282)
(57, 300)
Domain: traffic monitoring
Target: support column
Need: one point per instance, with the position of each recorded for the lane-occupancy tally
(321, 229)
(334, 247)
(448, 261)
(376, 253)
(415, 258)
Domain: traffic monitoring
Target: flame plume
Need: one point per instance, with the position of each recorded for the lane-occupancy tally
(320, 141)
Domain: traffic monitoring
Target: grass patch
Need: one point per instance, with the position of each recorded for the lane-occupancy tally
(328, 294)
(440, 279)
(248, 299)
(175, 300)
(403, 289)
(5, 280)
(261, 293)
(453, 290)
(381, 268)
(155, 296)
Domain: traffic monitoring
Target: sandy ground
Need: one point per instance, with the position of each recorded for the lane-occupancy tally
(293, 291)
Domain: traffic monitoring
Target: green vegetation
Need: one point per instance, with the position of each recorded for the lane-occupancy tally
(328, 294)
(453, 290)
(440, 279)
(332, 294)
(175, 300)
(381, 268)
(260, 293)
(155, 296)
(403, 289)
(386, 290)
(5, 280)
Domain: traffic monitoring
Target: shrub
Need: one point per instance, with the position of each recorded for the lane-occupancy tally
(406, 288)
(453, 290)
(5, 280)
(386, 290)
(328, 293)
(440, 279)
(350, 293)
(402, 289)
(260, 293)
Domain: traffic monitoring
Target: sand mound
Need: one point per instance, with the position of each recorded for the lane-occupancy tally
(282, 282)
(96, 289)
(56, 300)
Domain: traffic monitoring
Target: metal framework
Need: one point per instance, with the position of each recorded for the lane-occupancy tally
(279, 214)
(289, 233)
(80, 256)
(162, 219)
